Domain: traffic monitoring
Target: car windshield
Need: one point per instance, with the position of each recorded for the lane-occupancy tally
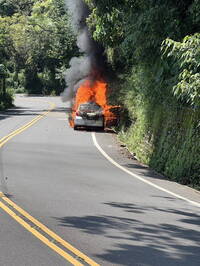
(90, 107)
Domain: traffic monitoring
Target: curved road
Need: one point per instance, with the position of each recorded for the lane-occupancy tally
(129, 216)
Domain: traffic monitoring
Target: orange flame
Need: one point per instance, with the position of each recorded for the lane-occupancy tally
(95, 91)
(91, 91)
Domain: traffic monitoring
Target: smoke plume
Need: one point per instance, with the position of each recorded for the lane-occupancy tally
(87, 66)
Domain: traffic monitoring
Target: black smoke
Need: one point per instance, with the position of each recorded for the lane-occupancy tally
(91, 63)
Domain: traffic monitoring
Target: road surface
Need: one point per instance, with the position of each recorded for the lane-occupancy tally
(81, 200)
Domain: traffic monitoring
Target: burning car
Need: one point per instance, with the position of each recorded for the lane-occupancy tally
(88, 114)
(90, 107)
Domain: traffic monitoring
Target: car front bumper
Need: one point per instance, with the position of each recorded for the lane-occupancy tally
(84, 122)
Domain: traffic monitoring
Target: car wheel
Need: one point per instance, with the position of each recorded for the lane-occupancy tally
(75, 127)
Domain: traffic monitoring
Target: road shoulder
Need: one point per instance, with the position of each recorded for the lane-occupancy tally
(111, 145)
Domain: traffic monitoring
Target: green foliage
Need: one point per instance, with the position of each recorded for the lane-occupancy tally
(195, 13)
(3, 72)
(176, 152)
(167, 139)
(6, 101)
(35, 38)
(6, 95)
(186, 56)
(136, 29)
(10, 7)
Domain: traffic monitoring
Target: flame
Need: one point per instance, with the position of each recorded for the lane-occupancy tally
(91, 91)
(95, 91)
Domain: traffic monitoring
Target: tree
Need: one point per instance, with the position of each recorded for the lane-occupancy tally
(186, 59)
(3, 75)
(37, 41)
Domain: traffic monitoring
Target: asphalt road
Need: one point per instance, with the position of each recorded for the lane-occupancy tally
(63, 180)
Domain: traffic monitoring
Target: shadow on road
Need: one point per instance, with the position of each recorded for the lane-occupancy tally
(145, 171)
(22, 111)
(135, 242)
(19, 111)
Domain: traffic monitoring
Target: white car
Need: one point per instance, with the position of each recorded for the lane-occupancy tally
(89, 114)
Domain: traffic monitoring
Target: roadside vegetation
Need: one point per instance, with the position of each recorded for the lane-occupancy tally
(36, 44)
(153, 50)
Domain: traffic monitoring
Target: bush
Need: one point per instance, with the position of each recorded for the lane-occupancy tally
(186, 63)
(167, 139)
(6, 101)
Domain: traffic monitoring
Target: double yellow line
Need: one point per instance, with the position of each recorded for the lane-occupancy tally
(26, 126)
(44, 234)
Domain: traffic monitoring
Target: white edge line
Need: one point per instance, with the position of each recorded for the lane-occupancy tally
(137, 176)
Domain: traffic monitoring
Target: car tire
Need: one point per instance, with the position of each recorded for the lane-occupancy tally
(75, 128)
